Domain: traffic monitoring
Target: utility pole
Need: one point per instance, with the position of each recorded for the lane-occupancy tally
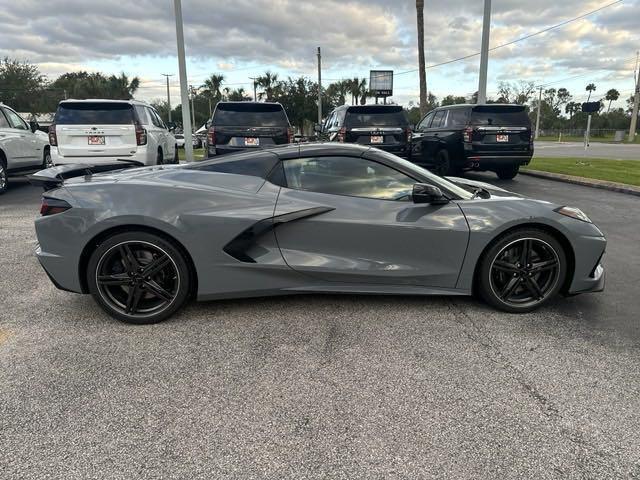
(538, 116)
(484, 53)
(255, 95)
(168, 93)
(634, 111)
(319, 88)
(182, 68)
(193, 107)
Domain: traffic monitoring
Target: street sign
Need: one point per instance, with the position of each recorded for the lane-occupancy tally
(590, 107)
(381, 83)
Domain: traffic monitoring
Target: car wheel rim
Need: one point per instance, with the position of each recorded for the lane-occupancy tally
(3, 178)
(525, 272)
(48, 162)
(137, 279)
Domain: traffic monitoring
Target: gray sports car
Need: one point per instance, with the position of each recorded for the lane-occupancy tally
(301, 219)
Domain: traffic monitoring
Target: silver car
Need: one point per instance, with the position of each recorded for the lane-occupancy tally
(301, 219)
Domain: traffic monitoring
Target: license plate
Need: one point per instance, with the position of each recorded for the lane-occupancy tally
(502, 138)
(251, 141)
(96, 140)
(377, 139)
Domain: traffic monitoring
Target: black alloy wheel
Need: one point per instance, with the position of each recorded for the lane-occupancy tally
(522, 271)
(138, 278)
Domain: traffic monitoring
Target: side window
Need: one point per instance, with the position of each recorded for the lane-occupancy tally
(154, 118)
(329, 121)
(3, 120)
(340, 115)
(15, 121)
(350, 176)
(156, 115)
(424, 123)
(438, 119)
(142, 114)
(458, 117)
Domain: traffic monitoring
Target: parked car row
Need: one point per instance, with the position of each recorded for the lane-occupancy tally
(448, 140)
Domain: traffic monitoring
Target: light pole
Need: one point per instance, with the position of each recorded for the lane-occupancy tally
(319, 88)
(484, 53)
(184, 93)
(168, 93)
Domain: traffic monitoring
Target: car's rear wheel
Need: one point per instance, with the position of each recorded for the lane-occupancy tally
(138, 277)
(442, 163)
(159, 158)
(176, 157)
(522, 270)
(47, 161)
(4, 178)
(508, 173)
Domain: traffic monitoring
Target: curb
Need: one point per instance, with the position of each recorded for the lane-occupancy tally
(586, 182)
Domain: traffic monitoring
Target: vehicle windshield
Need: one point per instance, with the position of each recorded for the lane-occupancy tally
(249, 114)
(94, 113)
(500, 115)
(376, 116)
(422, 172)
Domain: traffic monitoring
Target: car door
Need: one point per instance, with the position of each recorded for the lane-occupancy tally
(161, 134)
(418, 150)
(25, 150)
(364, 227)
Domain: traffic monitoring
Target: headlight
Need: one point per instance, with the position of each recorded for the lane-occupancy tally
(573, 213)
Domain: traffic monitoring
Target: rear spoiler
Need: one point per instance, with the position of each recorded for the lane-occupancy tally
(54, 177)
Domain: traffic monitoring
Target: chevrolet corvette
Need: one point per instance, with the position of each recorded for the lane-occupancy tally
(310, 218)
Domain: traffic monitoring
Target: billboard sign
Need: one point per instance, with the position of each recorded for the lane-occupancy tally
(381, 83)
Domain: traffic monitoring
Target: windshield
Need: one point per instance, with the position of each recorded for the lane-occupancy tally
(423, 172)
(250, 114)
(94, 113)
(376, 116)
(500, 115)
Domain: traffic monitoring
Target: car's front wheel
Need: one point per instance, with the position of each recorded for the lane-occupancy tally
(138, 277)
(4, 178)
(522, 270)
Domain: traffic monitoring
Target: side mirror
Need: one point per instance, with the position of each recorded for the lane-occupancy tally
(317, 128)
(412, 127)
(207, 124)
(34, 126)
(171, 125)
(425, 193)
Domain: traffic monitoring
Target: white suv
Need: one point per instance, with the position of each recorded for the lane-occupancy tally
(22, 148)
(104, 131)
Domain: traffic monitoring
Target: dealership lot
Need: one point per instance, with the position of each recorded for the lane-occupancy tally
(323, 386)
(618, 151)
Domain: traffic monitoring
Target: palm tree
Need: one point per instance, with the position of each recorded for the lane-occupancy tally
(358, 90)
(612, 96)
(421, 63)
(211, 89)
(590, 88)
(269, 82)
(364, 92)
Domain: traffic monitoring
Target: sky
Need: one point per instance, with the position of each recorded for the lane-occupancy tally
(245, 38)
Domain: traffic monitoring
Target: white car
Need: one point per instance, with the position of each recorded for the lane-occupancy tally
(104, 131)
(22, 150)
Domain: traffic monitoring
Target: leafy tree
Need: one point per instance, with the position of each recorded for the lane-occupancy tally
(519, 93)
(238, 95)
(269, 83)
(22, 86)
(612, 96)
(337, 92)
(590, 88)
(453, 100)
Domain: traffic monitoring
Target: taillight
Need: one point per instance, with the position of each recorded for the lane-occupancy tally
(289, 135)
(53, 138)
(467, 134)
(141, 135)
(408, 133)
(211, 136)
(51, 206)
(342, 134)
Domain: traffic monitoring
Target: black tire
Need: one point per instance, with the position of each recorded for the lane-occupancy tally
(159, 158)
(512, 282)
(442, 165)
(508, 173)
(138, 277)
(176, 156)
(47, 161)
(4, 177)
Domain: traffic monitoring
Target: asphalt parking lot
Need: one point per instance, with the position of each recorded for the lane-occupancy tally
(617, 151)
(323, 386)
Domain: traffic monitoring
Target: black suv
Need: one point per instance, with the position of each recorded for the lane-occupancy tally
(240, 125)
(495, 137)
(381, 126)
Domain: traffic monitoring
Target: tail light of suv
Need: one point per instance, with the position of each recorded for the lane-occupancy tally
(408, 134)
(467, 134)
(211, 136)
(342, 134)
(53, 138)
(51, 206)
(141, 135)
(289, 135)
